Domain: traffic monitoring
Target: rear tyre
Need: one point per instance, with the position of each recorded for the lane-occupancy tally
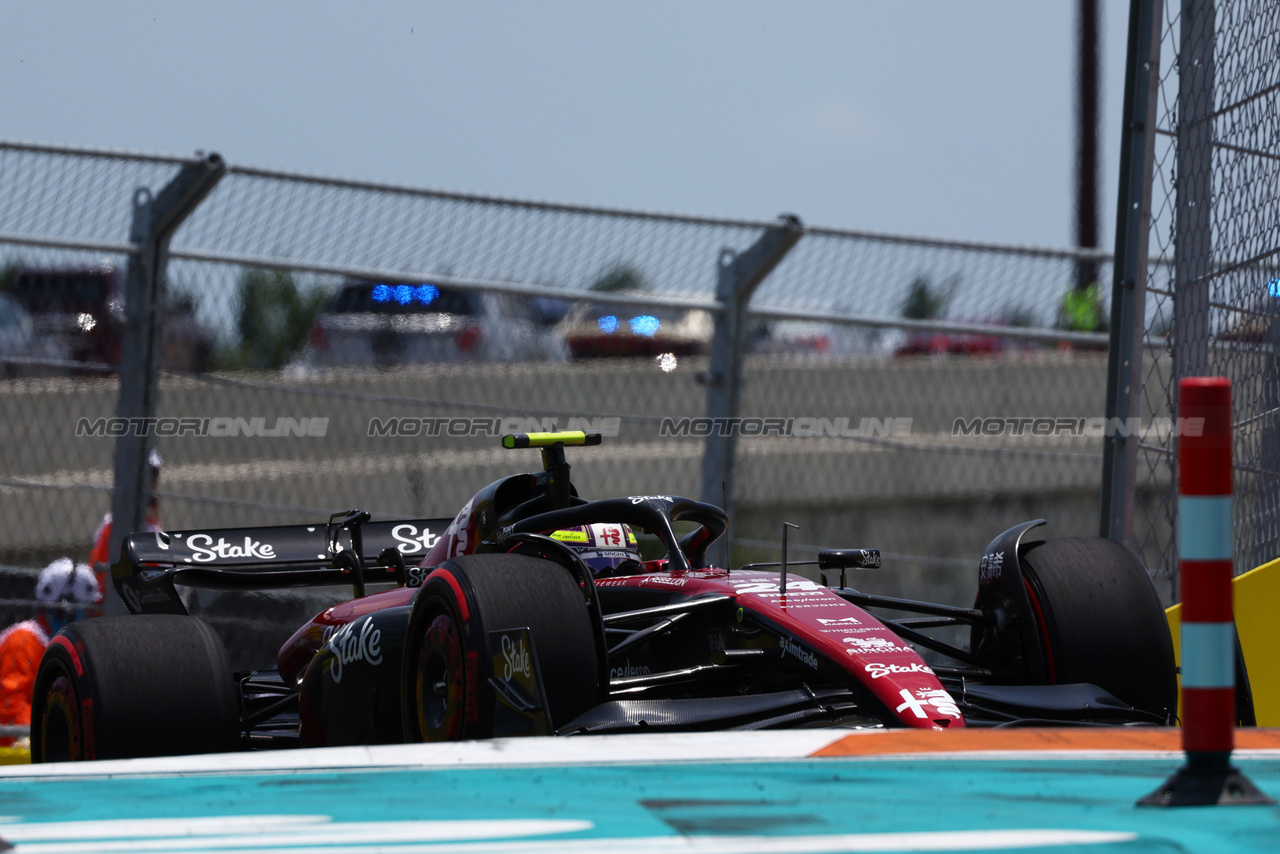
(455, 634)
(1101, 621)
(122, 687)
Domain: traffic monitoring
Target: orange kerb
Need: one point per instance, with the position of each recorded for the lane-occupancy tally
(909, 741)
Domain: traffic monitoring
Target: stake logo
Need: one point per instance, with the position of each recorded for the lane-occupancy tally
(411, 541)
(204, 550)
(516, 658)
(349, 645)
(876, 670)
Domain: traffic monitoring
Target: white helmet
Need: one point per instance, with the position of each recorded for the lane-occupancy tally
(65, 581)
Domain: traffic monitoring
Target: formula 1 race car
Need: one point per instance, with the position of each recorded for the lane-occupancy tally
(497, 626)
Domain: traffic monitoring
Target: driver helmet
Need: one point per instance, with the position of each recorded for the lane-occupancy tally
(65, 589)
(66, 581)
(604, 547)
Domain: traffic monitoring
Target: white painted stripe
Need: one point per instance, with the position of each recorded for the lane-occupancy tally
(378, 834)
(1208, 655)
(1204, 527)
(551, 751)
(198, 835)
(502, 752)
(13, 830)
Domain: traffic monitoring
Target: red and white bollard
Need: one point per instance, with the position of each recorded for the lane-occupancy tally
(1208, 626)
(1204, 552)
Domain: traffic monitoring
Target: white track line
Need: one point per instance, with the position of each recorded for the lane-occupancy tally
(574, 750)
(422, 838)
(658, 748)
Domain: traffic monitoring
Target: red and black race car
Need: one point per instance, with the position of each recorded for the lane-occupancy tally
(497, 627)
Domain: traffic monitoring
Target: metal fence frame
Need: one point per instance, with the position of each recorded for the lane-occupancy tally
(1198, 179)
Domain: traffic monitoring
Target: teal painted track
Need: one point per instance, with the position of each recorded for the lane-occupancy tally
(810, 805)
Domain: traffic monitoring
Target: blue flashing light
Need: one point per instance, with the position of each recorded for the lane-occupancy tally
(646, 325)
(608, 324)
(404, 294)
(426, 293)
(1273, 287)
(382, 293)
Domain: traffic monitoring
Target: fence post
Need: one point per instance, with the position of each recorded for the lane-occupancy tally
(1208, 631)
(155, 219)
(739, 276)
(1193, 241)
(1129, 270)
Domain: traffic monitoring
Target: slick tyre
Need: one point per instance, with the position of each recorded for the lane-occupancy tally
(1101, 621)
(464, 642)
(123, 687)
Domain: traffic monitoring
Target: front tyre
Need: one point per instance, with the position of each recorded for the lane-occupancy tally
(497, 645)
(1101, 621)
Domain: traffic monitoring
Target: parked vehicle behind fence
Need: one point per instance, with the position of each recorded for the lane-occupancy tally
(599, 329)
(23, 352)
(389, 323)
(81, 310)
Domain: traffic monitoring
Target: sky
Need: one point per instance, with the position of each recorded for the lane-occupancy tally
(946, 119)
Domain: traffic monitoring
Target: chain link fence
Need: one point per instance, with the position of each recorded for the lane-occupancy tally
(1215, 243)
(331, 344)
(994, 394)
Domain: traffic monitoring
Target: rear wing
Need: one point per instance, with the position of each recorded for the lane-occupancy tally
(348, 549)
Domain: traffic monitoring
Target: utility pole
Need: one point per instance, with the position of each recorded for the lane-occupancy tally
(1087, 125)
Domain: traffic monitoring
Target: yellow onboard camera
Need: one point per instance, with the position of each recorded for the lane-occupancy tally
(546, 440)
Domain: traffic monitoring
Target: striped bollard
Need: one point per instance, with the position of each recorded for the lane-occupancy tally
(1208, 628)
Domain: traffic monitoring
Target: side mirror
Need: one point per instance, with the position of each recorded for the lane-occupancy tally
(849, 559)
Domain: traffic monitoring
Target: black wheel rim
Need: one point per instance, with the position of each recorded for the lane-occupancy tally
(441, 680)
(59, 722)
